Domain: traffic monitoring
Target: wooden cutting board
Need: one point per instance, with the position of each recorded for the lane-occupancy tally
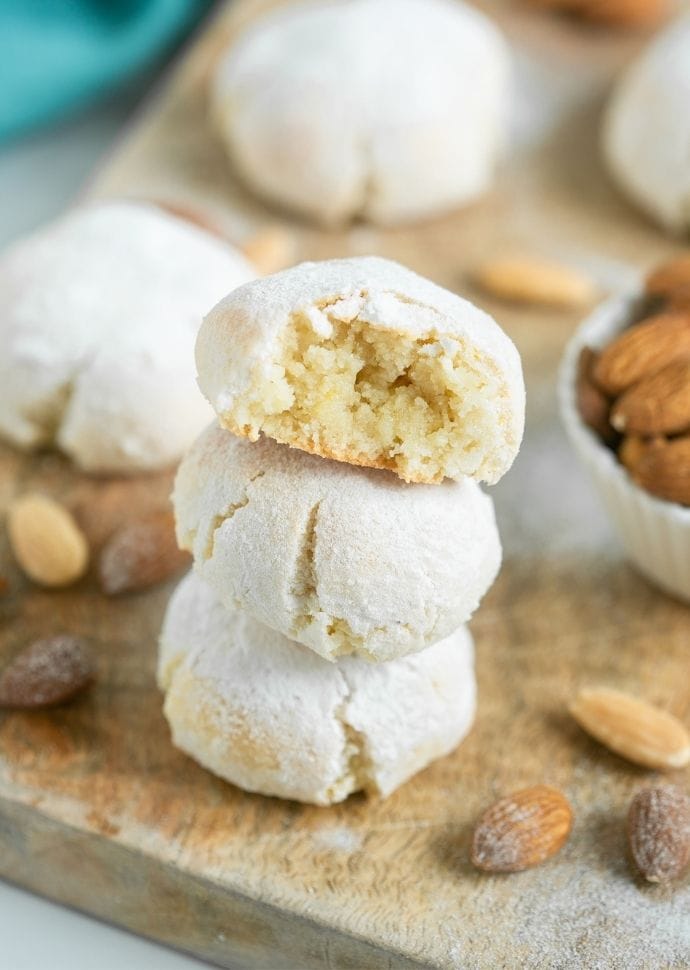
(99, 811)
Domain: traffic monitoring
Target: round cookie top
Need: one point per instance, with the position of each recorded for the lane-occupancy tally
(344, 560)
(98, 316)
(272, 717)
(366, 362)
(384, 109)
(646, 135)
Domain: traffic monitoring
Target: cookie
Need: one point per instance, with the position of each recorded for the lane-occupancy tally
(345, 560)
(388, 110)
(272, 717)
(364, 361)
(98, 316)
(646, 135)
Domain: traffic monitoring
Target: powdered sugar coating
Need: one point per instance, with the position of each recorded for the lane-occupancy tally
(646, 135)
(342, 559)
(98, 316)
(387, 109)
(270, 716)
(240, 339)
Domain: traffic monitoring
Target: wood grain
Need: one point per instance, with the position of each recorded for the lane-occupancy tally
(98, 810)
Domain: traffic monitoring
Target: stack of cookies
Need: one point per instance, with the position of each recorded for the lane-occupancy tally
(340, 537)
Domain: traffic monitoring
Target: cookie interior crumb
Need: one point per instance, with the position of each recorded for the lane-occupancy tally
(424, 408)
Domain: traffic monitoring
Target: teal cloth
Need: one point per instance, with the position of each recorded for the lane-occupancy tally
(57, 55)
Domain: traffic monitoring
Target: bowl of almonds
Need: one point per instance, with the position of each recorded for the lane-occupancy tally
(625, 402)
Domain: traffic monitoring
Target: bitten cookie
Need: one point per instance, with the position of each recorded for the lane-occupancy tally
(646, 135)
(272, 717)
(98, 316)
(344, 560)
(363, 361)
(384, 109)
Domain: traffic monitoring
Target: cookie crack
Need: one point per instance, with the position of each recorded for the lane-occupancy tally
(357, 773)
(228, 513)
(47, 418)
(304, 581)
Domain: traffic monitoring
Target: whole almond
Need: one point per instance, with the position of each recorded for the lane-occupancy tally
(663, 469)
(187, 213)
(46, 541)
(140, 554)
(631, 451)
(270, 249)
(643, 734)
(612, 13)
(659, 833)
(658, 404)
(592, 403)
(47, 672)
(521, 830)
(670, 278)
(679, 299)
(524, 279)
(642, 350)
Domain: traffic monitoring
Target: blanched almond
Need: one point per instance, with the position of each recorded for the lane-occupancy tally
(643, 734)
(525, 279)
(270, 249)
(46, 541)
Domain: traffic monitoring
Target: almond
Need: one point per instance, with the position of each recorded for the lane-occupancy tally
(592, 403)
(642, 350)
(270, 249)
(632, 728)
(521, 830)
(670, 278)
(188, 214)
(47, 672)
(679, 300)
(659, 833)
(613, 13)
(140, 554)
(46, 541)
(523, 279)
(663, 469)
(658, 404)
(632, 449)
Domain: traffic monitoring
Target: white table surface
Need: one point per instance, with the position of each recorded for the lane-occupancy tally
(39, 176)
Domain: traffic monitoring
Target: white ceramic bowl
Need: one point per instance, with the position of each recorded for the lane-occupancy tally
(655, 534)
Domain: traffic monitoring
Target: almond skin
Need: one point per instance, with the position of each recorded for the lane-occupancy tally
(679, 299)
(659, 833)
(140, 554)
(524, 279)
(592, 403)
(669, 278)
(611, 13)
(663, 469)
(641, 351)
(637, 731)
(521, 830)
(658, 404)
(631, 451)
(47, 672)
(46, 541)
